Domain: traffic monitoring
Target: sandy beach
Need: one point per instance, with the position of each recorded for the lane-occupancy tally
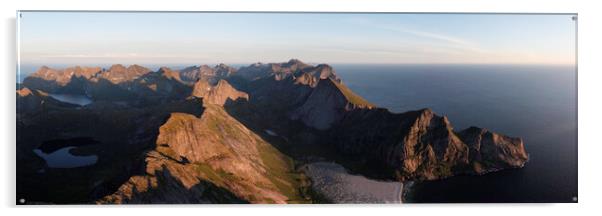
(338, 186)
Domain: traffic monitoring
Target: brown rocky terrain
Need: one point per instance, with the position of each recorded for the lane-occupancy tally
(212, 149)
(301, 72)
(51, 80)
(487, 148)
(118, 73)
(134, 84)
(422, 145)
(206, 73)
(29, 101)
(222, 135)
(217, 94)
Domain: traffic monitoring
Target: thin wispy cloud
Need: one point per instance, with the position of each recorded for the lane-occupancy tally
(444, 40)
(429, 35)
(243, 38)
(407, 30)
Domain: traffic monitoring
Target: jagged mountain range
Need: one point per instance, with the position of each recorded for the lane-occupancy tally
(227, 135)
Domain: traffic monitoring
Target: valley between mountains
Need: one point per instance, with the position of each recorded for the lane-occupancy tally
(286, 132)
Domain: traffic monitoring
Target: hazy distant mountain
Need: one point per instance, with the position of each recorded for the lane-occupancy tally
(222, 135)
(206, 73)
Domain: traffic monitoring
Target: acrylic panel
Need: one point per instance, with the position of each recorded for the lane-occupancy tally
(118, 107)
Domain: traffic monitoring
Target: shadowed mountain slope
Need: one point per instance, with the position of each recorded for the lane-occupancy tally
(226, 135)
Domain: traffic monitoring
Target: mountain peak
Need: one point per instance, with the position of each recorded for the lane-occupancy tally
(24, 92)
(164, 69)
(117, 67)
(134, 66)
(349, 95)
(223, 66)
(168, 73)
(295, 64)
(218, 94)
(295, 61)
(327, 103)
(43, 70)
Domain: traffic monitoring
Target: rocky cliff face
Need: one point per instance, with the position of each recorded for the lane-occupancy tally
(118, 83)
(165, 83)
(118, 73)
(173, 137)
(166, 182)
(29, 101)
(490, 151)
(206, 73)
(422, 145)
(326, 105)
(218, 94)
(193, 73)
(210, 159)
(50, 80)
(297, 70)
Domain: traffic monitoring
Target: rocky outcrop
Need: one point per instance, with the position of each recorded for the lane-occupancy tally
(312, 75)
(163, 85)
(71, 79)
(194, 73)
(167, 182)
(212, 75)
(422, 145)
(119, 74)
(280, 89)
(31, 101)
(27, 101)
(167, 73)
(51, 80)
(118, 83)
(216, 152)
(301, 72)
(218, 94)
(223, 70)
(490, 151)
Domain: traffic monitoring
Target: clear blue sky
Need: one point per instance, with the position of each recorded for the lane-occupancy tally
(78, 38)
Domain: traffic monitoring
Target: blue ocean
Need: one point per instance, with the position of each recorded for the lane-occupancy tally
(535, 102)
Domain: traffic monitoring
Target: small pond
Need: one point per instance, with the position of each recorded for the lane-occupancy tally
(63, 158)
(57, 152)
(81, 100)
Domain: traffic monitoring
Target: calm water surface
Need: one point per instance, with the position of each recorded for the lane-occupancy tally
(536, 103)
(62, 158)
(81, 100)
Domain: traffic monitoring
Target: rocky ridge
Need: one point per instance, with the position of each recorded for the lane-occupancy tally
(218, 94)
(214, 152)
(223, 154)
